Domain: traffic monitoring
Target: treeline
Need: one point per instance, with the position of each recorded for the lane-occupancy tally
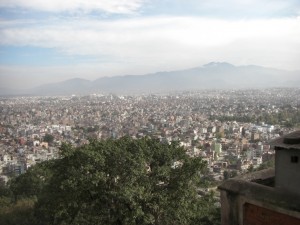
(285, 118)
(121, 181)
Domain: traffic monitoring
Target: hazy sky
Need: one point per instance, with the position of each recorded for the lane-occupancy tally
(52, 40)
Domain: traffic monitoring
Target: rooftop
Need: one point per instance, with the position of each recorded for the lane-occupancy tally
(259, 186)
(289, 141)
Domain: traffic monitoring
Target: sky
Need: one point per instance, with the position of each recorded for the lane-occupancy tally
(44, 41)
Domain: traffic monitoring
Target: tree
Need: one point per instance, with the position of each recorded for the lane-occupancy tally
(31, 183)
(219, 135)
(15, 212)
(20, 212)
(229, 174)
(124, 181)
(48, 138)
(226, 175)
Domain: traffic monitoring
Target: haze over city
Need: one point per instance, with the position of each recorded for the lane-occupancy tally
(149, 112)
(51, 41)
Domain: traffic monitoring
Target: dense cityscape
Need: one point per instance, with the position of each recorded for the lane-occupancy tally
(145, 112)
(230, 129)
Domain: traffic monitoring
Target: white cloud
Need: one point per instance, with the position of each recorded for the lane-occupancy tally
(85, 6)
(148, 44)
(251, 7)
(146, 37)
(138, 46)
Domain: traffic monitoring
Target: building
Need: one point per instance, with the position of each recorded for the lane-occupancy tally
(255, 136)
(269, 196)
(287, 162)
(216, 147)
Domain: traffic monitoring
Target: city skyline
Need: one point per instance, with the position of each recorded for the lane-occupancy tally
(45, 42)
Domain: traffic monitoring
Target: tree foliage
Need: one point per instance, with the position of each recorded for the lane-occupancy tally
(48, 138)
(122, 181)
(20, 212)
(229, 174)
(287, 116)
(31, 183)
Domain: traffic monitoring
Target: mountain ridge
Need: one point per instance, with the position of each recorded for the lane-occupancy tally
(213, 75)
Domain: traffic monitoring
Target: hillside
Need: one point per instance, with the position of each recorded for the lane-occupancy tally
(214, 75)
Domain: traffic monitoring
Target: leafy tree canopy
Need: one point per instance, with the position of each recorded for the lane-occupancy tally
(48, 138)
(122, 181)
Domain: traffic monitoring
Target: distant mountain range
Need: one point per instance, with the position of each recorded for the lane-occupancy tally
(214, 75)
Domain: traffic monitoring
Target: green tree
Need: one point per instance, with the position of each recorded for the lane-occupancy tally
(229, 174)
(31, 183)
(226, 175)
(15, 212)
(48, 138)
(20, 212)
(124, 181)
(219, 135)
(267, 165)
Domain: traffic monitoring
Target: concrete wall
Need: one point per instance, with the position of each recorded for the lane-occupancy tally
(244, 202)
(287, 174)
